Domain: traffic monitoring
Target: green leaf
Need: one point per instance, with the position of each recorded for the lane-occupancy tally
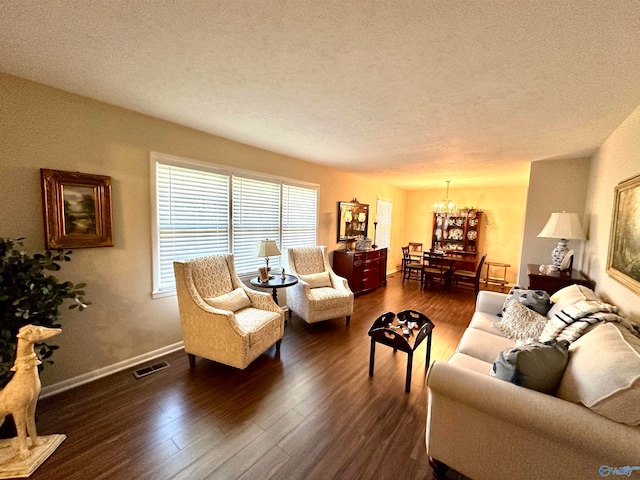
(30, 293)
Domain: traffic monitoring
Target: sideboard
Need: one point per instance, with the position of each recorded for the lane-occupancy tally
(363, 269)
(552, 282)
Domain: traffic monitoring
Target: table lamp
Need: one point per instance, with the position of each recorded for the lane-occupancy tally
(267, 248)
(564, 226)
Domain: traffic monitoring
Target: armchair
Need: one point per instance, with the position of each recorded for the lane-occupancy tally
(222, 319)
(320, 293)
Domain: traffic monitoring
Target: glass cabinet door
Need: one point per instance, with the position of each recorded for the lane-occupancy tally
(456, 233)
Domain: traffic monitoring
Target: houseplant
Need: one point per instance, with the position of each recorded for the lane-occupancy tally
(29, 294)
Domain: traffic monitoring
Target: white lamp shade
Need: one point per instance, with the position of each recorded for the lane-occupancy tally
(563, 225)
(267, 248)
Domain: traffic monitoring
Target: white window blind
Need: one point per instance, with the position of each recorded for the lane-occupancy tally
(192, 217)
(299, 216)
(201, 209)
(256, 216)
(383, 232)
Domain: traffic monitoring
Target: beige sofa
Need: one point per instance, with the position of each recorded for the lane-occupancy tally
(486, 428)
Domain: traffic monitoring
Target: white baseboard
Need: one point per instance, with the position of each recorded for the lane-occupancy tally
(103, 372)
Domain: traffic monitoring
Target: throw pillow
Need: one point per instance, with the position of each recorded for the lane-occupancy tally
(317, 280)
(538, 367)
(232, 301)
(537, 300)
(568, 296)
(603, 373)
(573, 294)
(521, 324)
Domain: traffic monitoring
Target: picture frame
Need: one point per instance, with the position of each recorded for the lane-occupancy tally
(624, 240)
(77, 209)
(263, 274)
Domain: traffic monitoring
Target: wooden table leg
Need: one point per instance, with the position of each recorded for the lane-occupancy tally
(372, 357)
(409, 367)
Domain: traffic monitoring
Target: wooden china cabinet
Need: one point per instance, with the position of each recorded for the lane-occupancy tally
(458, 235)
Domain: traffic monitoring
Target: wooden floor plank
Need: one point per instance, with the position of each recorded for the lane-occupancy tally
(311, 412)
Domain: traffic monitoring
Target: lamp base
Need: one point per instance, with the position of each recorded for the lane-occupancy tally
(559, 252)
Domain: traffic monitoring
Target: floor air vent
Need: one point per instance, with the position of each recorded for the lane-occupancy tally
(143, 372)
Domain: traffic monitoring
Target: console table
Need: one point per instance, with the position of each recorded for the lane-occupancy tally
(363, 269)
(552, 282)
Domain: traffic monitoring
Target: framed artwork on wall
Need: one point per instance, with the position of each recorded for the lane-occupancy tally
(623, 259)
(77, 209)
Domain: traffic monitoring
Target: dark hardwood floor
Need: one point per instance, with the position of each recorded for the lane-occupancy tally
(312, 412)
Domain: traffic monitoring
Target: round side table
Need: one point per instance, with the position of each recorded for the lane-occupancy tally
(275, 282)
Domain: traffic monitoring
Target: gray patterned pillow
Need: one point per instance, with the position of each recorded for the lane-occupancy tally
(521, 324)
(537, 300)
(538, 367)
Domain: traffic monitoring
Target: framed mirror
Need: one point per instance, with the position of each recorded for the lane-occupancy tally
(353, 220)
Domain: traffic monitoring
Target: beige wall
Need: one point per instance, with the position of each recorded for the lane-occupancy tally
(618, 159)
(554, 186)
(501, 234)
(41, 127)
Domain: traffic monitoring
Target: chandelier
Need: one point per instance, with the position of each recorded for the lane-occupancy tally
(446, 207)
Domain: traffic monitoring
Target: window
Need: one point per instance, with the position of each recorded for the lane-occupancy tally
(383, 232)
(255, 214)
(202, 209)
(299, 216)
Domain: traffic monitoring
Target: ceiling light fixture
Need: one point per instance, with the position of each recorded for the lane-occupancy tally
(446, 207)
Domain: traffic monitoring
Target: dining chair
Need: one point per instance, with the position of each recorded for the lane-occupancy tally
(435, 267)
(411, 268)
(415, 248)
(469, 277)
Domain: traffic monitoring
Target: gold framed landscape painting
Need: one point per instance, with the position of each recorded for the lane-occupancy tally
(77, 209)
(623, 260)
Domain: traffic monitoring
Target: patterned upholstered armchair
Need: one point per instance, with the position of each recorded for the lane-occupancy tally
(221, 318)
(320, 293)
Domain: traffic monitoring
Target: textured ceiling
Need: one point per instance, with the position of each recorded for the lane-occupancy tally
(409, 92)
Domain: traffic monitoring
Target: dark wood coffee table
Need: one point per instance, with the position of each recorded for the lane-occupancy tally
(388, 330)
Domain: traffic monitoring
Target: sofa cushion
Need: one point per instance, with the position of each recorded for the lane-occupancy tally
(537, 300)
(317, 280)
(233, 301)
(485, 321)
(483, 345)
(570, 295)
(603, 373)
(520, 324)
(326, 298)
(258, 325)
(537, 366)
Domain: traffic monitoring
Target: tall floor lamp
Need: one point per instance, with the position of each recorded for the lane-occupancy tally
(375, 231)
